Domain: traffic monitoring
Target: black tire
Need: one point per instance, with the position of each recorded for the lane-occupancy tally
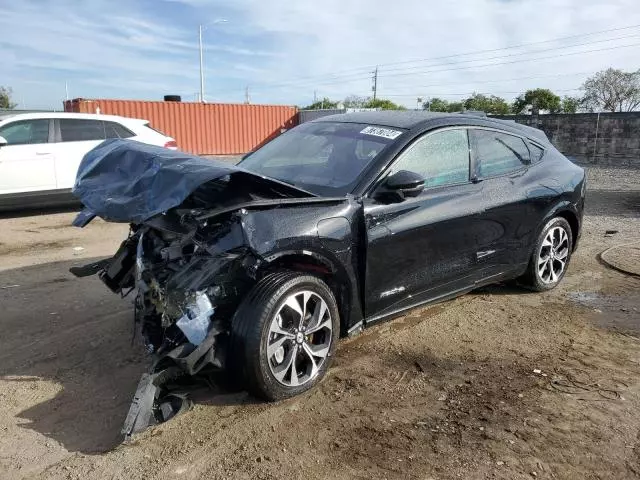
(532, 278)
(247, 360)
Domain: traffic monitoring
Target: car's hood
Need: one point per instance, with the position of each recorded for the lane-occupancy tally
(128, 181)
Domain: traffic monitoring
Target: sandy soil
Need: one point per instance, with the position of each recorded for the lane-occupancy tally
(499, 383)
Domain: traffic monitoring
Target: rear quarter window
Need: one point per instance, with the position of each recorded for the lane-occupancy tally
(536, 152)
(498, 153)
(115, 130)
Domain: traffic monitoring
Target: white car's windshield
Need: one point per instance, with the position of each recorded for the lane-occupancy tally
(324, 158)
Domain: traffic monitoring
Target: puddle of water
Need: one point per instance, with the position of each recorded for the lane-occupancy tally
(616, 312)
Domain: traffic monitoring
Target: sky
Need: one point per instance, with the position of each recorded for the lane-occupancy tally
(288, 51)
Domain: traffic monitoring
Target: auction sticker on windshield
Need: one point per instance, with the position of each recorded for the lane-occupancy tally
(381, 132)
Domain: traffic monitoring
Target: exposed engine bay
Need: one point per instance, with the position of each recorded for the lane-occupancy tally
(185, 294)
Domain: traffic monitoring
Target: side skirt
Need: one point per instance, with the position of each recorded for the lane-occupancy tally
(510, 275)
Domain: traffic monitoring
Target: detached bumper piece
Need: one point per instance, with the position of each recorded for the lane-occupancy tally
(156, 400)
(152, 404)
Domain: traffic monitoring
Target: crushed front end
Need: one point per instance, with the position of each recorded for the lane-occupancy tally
(188, 279)
(187, 261)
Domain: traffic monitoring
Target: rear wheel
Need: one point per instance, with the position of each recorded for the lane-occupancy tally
(283, 335)
(550, 257)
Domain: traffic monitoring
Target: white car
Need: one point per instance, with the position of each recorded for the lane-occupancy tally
(40, 152)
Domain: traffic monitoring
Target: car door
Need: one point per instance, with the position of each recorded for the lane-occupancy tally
(27, 161)
(422, 248)
(75, 137)
(502, 163)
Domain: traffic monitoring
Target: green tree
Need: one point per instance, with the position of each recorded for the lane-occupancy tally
(537, 99)
(383, 104)
(441, 105)
(571, 104)
(5, 98)
(322, 104)
(456, 107)
(612, 90)
(487, 103)
(437, 105)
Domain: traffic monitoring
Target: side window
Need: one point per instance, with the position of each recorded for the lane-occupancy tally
(442, 158)
(76, 130)
(499, 153)
(26, 132)
(536, 152)
(115, 130)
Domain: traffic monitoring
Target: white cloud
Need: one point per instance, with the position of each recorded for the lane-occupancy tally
(136, 49)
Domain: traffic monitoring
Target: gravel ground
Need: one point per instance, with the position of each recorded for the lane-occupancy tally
(607, 178)
(498, 383)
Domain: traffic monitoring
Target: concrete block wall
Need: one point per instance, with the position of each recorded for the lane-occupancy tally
(617, 142)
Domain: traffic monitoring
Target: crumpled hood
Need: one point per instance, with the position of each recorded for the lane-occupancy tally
(128, 181)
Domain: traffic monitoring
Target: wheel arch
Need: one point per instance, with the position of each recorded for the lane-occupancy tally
(330, 271)
(569, 212)
(572, 220)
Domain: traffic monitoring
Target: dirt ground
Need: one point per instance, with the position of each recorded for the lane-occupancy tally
(499, 383)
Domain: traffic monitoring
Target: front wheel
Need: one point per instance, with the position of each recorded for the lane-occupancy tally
(283, 335)
(550, 257)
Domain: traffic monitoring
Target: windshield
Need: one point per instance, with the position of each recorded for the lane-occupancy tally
(323, 158)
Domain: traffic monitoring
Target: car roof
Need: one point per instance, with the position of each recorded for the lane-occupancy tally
(387, 118)
(409, 119)
(80, 116)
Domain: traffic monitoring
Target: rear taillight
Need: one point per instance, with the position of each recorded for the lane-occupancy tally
(171, 144)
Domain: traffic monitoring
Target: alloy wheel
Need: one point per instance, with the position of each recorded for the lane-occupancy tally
(299, 338)
(553, 256)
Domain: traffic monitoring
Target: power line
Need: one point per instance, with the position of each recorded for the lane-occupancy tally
(519, 53)
(467, 67)
(445, 94)
(514, 46)
(430, 68)
(502, 80)
(364, 69)
(516, 61)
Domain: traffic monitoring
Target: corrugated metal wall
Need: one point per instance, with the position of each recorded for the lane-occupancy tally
(203, 129)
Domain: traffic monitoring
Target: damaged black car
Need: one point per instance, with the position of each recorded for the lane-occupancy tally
(255, 270)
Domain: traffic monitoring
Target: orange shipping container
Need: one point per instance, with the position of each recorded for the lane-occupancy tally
(201, 128)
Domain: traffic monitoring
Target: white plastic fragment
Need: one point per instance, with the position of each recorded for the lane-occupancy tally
(537, 370)
(77, 250)
(9, 286)
(195, 323)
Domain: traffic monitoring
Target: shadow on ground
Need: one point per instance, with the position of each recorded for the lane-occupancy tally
(76, 334)
(616, 203)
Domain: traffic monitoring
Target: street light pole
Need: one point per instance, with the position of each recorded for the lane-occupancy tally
(201, 69)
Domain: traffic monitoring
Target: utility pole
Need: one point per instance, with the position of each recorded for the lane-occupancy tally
(315, 96)
(201, 70)
(375, 82)
(247, 98)
(66, 89)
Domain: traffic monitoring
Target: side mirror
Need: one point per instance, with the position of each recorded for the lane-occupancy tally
(3, 142)
(401, 185)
